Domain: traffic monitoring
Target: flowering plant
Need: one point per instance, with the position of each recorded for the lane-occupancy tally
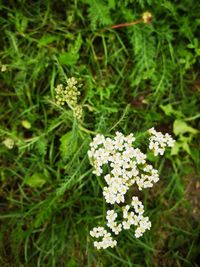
(69, 95)
(127, 166)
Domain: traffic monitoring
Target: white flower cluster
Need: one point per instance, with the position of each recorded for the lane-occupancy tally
(127, 166)
(129, 218)
(107, 240)
(112, 224)
(136, 218)
(159, 141)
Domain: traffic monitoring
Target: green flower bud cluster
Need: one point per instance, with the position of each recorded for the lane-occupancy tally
(69, 95)
(78, 112)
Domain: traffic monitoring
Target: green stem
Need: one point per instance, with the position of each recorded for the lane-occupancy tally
(86, 130)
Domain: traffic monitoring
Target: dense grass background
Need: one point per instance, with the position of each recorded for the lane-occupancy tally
(131, 79)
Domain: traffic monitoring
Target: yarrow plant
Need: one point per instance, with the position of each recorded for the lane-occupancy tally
(69, 95)
(127, 166)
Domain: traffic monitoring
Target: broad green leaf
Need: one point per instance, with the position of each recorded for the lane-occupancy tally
(182, 144)
(185, 142)
(175, 149)
(181, 127)
(68, 58)
(36, 180)
(169, 110)
(47, 39)
(186, 147)
(68, 145)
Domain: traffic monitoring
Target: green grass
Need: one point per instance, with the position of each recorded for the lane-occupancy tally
(131, 79)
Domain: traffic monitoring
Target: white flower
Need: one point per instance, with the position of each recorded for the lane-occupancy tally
(144, 225)
(111, 221)
(98, 140)
(159, 141)
(108, 143)
(126, 166)
(98, 232)
(119, 145)
(111, 215)
(107, 240)
(129, 139)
